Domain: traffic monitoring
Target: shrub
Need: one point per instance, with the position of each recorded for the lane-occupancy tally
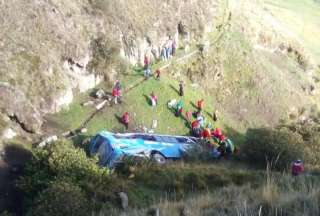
(61, 198)
(278, 147)
(62, 160)
(311, 140)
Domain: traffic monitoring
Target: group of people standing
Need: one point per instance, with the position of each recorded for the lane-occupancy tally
(168, 49)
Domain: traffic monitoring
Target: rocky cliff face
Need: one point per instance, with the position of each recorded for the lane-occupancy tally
(48, 46)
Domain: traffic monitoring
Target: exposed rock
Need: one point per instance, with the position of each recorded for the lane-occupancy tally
(9, 134)
(14, 104)
(63, 101)
(124, 200)
(184, 212)
(48, 141)
(84, 130)
(154, 212)
(100, 94)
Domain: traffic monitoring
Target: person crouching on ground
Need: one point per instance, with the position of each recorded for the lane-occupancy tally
(154, 99)
(126, 120)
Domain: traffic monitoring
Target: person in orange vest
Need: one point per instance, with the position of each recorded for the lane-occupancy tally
(126, 120)
(200, 105)
(297, 168)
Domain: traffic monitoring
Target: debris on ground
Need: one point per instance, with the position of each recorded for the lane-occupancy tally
(154, 124)
(84, 130)
(66, 134)
(88, 103)
(101, 105)
(9, 134)
(48, 141)
(100, 94)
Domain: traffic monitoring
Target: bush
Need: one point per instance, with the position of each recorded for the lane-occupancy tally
(62, 160)
(278, 147)
(311, 139)
(62, 197)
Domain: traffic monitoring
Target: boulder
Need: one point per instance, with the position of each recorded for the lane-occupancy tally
(124, 200)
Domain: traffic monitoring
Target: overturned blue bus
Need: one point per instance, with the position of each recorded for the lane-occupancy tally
(111, 148)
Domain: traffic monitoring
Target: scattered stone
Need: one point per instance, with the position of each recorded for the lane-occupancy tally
(303, 119)
(101, 105)
(184, 212)
(9, 134)
(48, 141)
(154, 124)
(124, 200)
(66, 134)
(154, 212)
(312, 90)
(84, 130)
(100, 94)
(88, 103)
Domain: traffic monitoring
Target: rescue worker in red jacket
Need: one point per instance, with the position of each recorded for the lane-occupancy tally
(297, 168)
(196, 129)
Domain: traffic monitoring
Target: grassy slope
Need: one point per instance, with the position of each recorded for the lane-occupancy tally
(302, 18)
(259, 87)
(136, 103)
